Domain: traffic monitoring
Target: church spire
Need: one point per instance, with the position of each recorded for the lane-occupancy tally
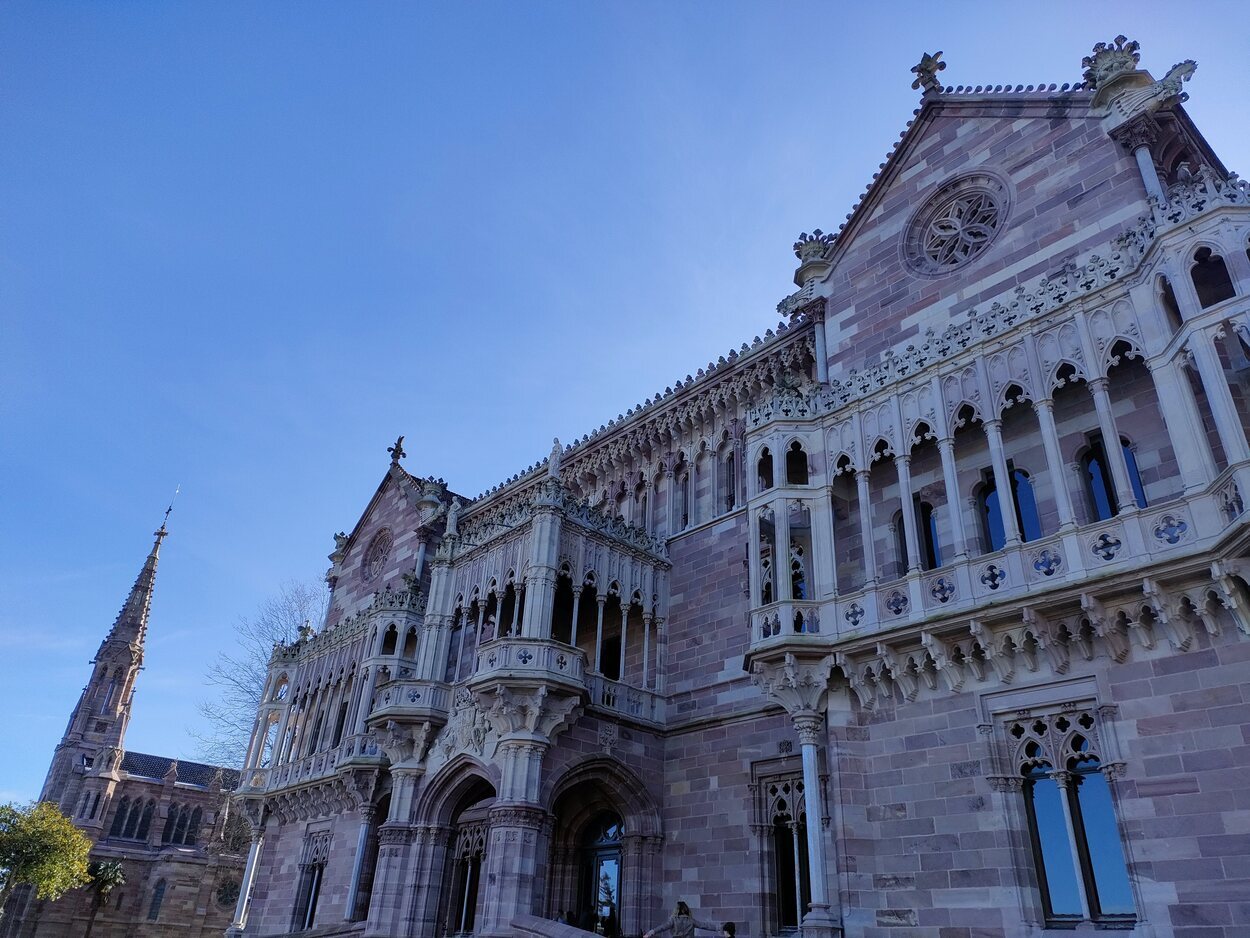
(131, 625)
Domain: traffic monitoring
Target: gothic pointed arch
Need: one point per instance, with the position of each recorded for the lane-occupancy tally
(447, 791)
(613, 784)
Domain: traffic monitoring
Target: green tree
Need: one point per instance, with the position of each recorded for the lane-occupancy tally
(106, 875)
(41, 848)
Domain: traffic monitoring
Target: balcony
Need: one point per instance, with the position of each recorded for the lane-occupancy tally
(406, 700)
(1165, 533)
(530, 661)
(624, 700)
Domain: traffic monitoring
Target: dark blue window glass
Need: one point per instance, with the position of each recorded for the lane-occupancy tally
(1098, 481)
(1134, 477)
(1113, 896)
(1050, 834)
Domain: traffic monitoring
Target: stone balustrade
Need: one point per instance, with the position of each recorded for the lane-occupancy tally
(625, 700)
(538, 659)
(1133, 540)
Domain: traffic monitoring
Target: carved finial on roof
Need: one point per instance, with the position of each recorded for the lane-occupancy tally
(1109, 61)
(171, 774)
(453, 517)
(926, 73)
(814, 252)
(305, 631)
(397, 451)
(553, 461)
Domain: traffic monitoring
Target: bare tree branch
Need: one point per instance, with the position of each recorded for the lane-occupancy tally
(239, 674)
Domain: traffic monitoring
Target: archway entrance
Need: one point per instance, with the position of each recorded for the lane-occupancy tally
(466, 859)
(604, 850)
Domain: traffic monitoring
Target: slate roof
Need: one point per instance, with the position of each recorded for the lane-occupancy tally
(194, 773)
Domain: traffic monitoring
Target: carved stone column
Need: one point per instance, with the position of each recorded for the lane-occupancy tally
(954, 504)
(512, 867)
(1138, 135)
(802, 687)
(1111, 447)
(1223, 409)
(1184, 425)
(527, 715)
(865, 528)
(249, 880)
(1002, 483)
(633, 852)
(429, 879)
(902, 463)
(1045, 409)
(350, 912)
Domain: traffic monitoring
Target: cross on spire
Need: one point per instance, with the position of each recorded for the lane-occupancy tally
(397, 451)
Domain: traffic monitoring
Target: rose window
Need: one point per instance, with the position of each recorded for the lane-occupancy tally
(378, 553)
(957, 225)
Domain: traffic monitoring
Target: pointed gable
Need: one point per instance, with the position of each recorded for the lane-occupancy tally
(1065, 188)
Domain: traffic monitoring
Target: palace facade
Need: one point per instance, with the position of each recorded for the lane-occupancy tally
(923, 614)
(169, 823)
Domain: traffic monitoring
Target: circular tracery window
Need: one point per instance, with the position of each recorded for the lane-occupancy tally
(957, 225)
(378, 552)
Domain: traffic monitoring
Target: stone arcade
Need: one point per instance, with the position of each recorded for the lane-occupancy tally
(925, 614)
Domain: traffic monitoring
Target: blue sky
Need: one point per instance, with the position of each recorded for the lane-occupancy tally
(243, 246)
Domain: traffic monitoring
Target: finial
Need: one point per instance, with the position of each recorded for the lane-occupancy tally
(553, 461)
(926, 73)
(397, 451)
(1110, 60)
(161, 532)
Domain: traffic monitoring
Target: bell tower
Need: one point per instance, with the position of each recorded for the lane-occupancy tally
(97, 726)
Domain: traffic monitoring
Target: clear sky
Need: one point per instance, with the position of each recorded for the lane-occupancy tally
(243, 246)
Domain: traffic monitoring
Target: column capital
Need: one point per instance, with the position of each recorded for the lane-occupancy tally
(1098, 385)
(514, 815)
(808, 724)
(1137, 132)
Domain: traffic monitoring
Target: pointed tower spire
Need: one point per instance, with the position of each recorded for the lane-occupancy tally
(98, 724)
(131, 625)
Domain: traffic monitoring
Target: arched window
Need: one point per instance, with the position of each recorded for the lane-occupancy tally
(1072, 824)
(1167, 299)
(791, 877)
(727, 481)
(158, 897)
(193, 827)
(767, 546)
(119, 817)
(1211, 279)
(180, 830)
(764, 470)
(390, 640)
(683, 500)
(1099, 484)
(171, 823)
(410, 643)
(796, 464)
(1027, 519)
(145, 820)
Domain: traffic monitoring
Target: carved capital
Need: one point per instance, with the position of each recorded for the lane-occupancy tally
(808, 724)
(1006, 783)
(405, 744)
(1139, 131)
(396, 835)
(517, 816)
(801, 686)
